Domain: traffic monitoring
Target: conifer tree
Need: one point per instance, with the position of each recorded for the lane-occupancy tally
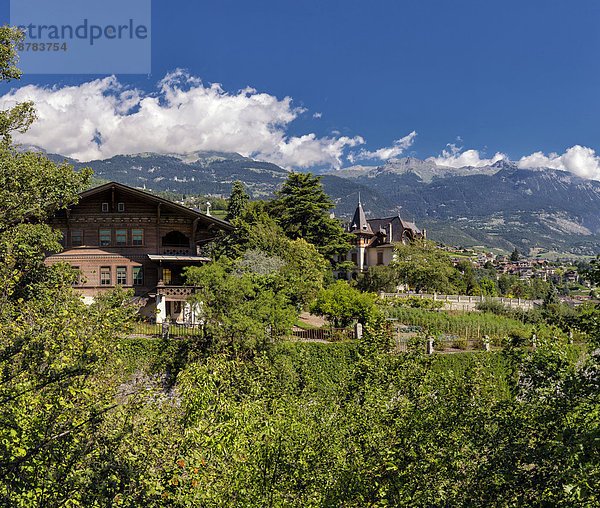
(302, 209)
(237, 201)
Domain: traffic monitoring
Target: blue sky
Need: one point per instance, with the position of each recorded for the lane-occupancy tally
(508, 77)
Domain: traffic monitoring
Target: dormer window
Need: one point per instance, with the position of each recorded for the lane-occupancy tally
(121, 207)
(105, 207)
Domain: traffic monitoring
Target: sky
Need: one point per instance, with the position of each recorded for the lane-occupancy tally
(327, 84)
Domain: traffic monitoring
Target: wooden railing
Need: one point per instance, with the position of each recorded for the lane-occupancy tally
(176, 291)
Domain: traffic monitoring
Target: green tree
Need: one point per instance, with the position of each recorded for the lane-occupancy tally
(342, 304)
(54, 394)
(488, 287)
(423, 267)
(237, 201)
(302, 209)
(515, 255)
(241, 311)
(379, 278)
(505, 283)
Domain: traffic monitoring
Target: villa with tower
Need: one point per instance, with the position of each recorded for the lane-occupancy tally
(374, 241)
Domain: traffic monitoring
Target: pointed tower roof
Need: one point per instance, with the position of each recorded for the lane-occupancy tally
(359, 222)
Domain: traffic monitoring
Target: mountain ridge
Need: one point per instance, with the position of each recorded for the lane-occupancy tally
(500, 205)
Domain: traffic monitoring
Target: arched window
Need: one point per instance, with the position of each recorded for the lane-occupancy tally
(175, 239)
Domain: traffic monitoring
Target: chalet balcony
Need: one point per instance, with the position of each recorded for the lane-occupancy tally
(175, 293)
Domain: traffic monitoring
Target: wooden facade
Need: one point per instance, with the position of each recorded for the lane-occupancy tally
(116, 234)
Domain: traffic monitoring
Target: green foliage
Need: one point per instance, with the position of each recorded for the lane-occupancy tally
(488, 287)
(302, 210)
(424, 267)
(470, 325)
(379, 278)
(342, 304)
(55, 391)
(415, 302)
(237, 201)
(239, 310)
(259, 263)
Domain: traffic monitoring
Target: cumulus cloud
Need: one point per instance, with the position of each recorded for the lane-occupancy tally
(578, 159)
(456, 158)
(388, 152)
(102, 118)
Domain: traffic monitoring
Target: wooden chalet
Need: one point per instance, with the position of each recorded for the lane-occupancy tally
(118, 235)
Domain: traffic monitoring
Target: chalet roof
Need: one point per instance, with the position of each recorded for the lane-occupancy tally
(151, 197)
(359, 222)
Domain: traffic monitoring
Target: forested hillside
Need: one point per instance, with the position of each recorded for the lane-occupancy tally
(497, 206)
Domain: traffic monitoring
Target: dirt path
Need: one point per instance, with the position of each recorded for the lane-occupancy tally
(311, 319)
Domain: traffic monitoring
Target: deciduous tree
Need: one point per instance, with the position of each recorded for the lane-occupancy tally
(423, 267)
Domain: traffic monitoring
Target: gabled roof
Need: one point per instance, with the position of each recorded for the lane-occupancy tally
(151, 197)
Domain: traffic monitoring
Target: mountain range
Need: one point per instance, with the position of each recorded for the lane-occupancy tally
(540, 211)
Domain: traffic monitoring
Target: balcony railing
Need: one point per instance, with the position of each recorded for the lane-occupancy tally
(175, 291)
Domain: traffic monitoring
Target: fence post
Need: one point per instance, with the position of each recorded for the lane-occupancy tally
(429, 349)
(486, 342)
(165, 330)
(358, 331)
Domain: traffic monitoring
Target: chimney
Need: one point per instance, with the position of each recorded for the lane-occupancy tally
(389, 233)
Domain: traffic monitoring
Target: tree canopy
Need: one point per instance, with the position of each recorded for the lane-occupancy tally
(237, 201)
(423, 267)
(302, 208)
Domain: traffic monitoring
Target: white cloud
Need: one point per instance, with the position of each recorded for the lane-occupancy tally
(317, 115)
(389, 152)
(102, 118)
(578, 159)
(456, 158)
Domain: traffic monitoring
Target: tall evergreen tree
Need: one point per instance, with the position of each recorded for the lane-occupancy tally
(302, 209)
(237, 201)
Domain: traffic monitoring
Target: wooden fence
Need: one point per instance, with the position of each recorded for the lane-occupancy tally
(179, 330)
(322, 334)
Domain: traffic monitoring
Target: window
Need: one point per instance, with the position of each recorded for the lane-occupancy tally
(121, 236)
(122, 275)
(137, 237)
(105, 276)
(105, 207)
(76, 238)
(380, 258)
(121, 207)
(105, 237)
(175, 239)
(138, 276)
(166, 276)
(355, 258)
